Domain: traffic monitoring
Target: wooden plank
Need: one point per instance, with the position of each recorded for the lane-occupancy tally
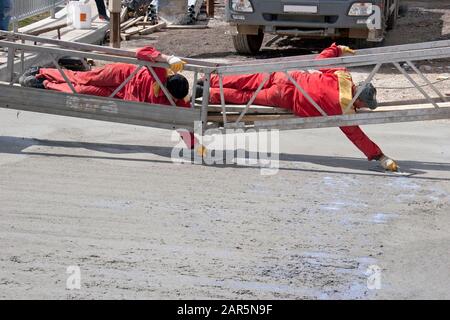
(409, 102)
(45, 30)
(132, 30)
(423, 114)
(249, 118)
(210, 8)
(130, 23)
(142, 30)
(152, 29)
(254, 109)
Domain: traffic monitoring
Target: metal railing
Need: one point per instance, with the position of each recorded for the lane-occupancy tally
(22, 9)
(224, 116)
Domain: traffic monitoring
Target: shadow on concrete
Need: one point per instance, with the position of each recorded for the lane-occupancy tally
(16, 145)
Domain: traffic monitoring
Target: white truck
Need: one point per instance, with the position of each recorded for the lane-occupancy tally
(366, 21)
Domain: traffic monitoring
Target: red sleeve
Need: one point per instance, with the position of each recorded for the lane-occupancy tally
(362, 142)
(184, 104)
(148, 54)
(332, 52)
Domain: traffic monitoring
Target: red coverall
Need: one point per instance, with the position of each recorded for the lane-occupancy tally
(330, 88)
(103, 81)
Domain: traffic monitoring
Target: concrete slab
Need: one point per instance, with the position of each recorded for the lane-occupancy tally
(107, 198)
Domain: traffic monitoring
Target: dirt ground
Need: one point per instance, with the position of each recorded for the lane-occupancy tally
(107, 198)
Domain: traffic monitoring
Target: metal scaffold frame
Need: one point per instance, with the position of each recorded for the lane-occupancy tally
(222, 116)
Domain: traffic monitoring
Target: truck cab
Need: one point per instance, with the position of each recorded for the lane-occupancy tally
(367, 21)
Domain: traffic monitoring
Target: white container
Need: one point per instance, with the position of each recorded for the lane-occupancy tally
(69, 16)
(79, 14)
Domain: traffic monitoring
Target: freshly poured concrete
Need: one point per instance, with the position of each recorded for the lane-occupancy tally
(107, 198)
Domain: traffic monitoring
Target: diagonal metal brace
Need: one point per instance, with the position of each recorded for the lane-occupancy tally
(162, 86)
(258, 90)
(361, 88)
(125, 82)
(415, 84)
(62, 73)
(307, 96)
(427, 81)
(222, 101)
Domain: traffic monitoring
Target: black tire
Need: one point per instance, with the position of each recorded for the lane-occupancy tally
(248, 44)
(403, 10)
(392, 20)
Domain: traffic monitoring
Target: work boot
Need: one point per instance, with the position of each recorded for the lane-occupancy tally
(31, 71)
(32, 82)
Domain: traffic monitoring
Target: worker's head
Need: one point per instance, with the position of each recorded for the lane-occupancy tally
(178, 86)
(367, 98)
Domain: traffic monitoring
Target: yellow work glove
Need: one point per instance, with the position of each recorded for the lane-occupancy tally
(346, 51)
(201, 151)
(176, 64)
(388, 164)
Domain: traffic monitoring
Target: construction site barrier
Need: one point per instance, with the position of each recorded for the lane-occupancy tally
(27, 8)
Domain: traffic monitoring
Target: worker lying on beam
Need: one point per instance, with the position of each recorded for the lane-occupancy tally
(103, 81)
(332, 89)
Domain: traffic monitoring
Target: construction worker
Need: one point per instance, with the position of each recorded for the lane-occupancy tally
(101, 8)
(5, 14)
(143, 87)
(331, 89)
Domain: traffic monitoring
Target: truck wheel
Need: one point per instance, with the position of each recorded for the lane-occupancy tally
(392, 20)
(403, 10)
(248, 43)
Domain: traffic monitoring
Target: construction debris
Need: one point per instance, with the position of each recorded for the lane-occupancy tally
(142, 29)
(142, 17)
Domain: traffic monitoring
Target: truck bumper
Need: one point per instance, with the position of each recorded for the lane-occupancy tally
(325, 18)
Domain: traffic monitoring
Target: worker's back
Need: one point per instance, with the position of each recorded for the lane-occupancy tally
(143, 87)
(330, 89)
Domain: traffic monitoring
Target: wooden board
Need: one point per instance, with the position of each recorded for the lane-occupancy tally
(142, 30)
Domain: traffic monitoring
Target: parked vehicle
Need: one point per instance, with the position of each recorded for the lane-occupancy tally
(366, 21)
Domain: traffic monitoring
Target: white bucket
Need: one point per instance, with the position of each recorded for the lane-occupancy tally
(79, 14)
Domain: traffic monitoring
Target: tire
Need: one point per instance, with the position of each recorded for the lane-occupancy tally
(392, 20)
(403, 10)
(248, 44)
